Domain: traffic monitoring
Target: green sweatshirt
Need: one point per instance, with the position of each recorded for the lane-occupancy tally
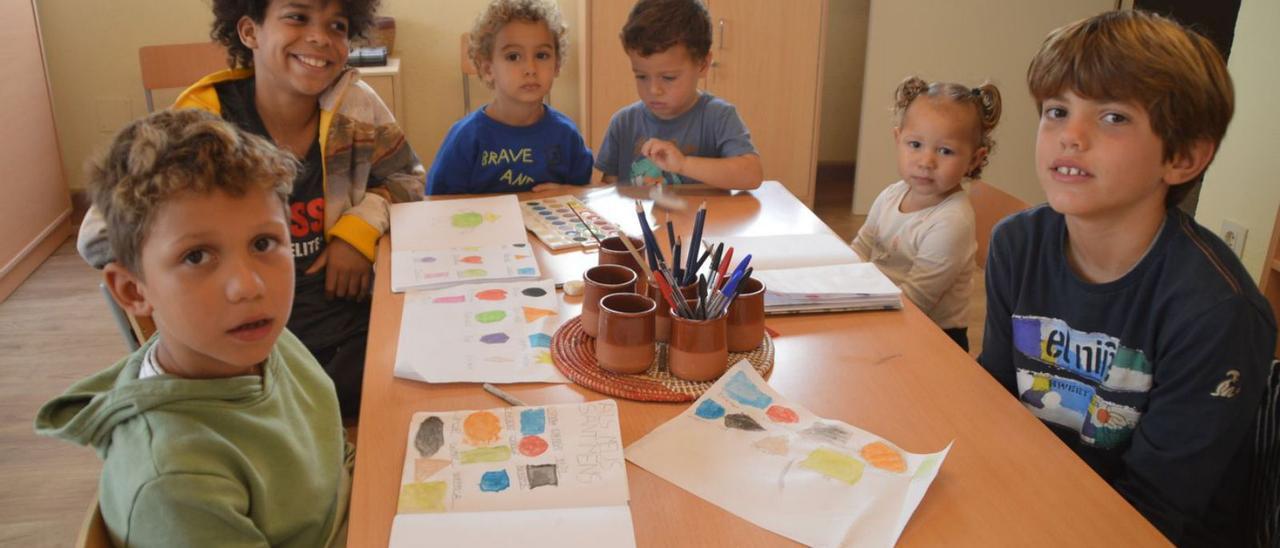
(244, 461)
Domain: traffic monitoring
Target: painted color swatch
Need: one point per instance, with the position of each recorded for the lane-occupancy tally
(481, 428)
(834, 465)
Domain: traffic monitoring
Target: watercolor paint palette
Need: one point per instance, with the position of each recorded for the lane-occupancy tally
(553, 222)
(554, 473)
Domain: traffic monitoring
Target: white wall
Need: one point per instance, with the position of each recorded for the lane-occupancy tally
(92, 51)
(842, 71)
(1241, 185)
(968, 41)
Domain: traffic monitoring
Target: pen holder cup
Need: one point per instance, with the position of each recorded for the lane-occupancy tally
(697, 351)
(745, 317)
(624, 343)
(598, 282)
(613, 251)
(662, 318)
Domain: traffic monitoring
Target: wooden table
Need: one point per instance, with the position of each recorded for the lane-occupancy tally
(1007, 481)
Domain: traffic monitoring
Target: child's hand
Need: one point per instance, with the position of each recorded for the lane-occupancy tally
(665, 154)
(541, 187)
(347, 272)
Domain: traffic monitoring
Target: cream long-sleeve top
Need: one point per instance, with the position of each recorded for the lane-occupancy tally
(928, 253)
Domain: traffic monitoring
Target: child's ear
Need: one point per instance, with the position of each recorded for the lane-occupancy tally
(897, 131)
(978, 156)
(248, 32)
(484, 69)
(1186, 166)
(705, 65)
(127, 289)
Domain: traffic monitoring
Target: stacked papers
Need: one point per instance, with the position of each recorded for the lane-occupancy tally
(857, 286)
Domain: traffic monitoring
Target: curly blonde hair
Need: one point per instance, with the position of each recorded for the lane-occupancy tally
(172, 152)
(984, 98)
(500, 12)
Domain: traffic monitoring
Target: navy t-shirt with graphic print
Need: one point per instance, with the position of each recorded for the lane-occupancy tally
(1152, 379)
(319, 322)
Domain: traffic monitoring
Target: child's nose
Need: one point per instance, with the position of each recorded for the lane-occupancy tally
(655, 87)
(243, 282)
(1074, 134)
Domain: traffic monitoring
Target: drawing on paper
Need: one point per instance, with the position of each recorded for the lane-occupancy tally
(444, 243)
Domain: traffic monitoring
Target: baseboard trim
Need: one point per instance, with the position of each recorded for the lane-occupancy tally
(836, 171)
(34, 254)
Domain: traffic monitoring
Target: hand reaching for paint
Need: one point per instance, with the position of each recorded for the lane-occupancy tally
(665, 154)
(346, 271)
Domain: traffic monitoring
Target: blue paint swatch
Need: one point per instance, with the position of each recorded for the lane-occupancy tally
(709, 409)
(495, 481)
(540, 340)
(741, 390)
(526, 271)
(533, 421)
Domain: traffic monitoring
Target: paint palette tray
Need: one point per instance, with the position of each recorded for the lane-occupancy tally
(553, 222)
(574, 354)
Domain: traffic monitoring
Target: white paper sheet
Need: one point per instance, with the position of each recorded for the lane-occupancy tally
(789, 251)
(449, 242)
(529, 472)
(495, 332)
(743, 447)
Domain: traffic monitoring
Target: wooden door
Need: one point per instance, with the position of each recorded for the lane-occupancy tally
(36, 207)
(606, 76)
(767, 60)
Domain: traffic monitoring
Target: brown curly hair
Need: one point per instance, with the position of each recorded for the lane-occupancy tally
(654, 26)
(227, 14)
(172, 152)
(985, 100)
(500, 12)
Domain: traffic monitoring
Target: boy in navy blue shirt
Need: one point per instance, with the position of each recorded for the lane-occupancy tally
(1129, 329)
(515, 143)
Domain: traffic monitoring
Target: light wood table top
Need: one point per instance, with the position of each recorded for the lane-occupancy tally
(1008, 480)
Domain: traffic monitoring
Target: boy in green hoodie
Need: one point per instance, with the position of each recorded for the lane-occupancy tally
(222, 429)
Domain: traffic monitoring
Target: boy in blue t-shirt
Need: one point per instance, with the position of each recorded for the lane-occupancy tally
(675, 134)
(1129, 329)
(515, 143)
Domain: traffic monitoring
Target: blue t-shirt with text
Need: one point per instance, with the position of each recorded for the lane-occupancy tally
(482, 155)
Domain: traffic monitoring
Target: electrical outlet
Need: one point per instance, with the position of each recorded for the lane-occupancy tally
(1234, 234)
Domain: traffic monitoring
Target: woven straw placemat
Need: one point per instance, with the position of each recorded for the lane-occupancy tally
(574, 354)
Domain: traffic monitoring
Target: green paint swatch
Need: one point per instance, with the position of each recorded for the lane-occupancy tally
(834, 465)
(422, 498)
(500, 453)
(491, 316)
(469, 219)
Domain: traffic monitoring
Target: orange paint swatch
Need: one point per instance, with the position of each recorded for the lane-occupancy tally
(532, 314)
(492, 295)
(882, 456)
(481, 428)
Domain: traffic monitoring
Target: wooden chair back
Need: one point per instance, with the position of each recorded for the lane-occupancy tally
(178, 65)
(93, 532)
(990, 205)
(1270, 285)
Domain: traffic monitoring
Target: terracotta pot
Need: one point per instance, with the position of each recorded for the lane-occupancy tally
(597, 282)
(612, 251)
(625, 341)
(746, 317)
(698, 349)
(662, 318)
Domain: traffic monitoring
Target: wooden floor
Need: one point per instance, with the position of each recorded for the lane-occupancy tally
(55, 329)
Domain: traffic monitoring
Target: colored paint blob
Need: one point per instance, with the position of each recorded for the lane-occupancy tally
(709, 410)
(526, 271)
(518, 245)
(430, 436)
(926, 467)
(829, 433)
(882, 456)
(543, 357)
(778, 413)
(492, 295)
(495, 338)
(521, 257)
(429, 275)
(481, 428)
(452, 299)
(467, 219)
(540, 340)
(533, 421)
(473, 273)
(491, 316)
(740, 421)
(532, 291)
(773, 445)
(532, 446)
(500, 453)
(532, 314)
(472, 259)
(541, 475)
(495, 481)
(423, 469)
(426, 259)
(742, 390)
(834, 465)
(422, 498)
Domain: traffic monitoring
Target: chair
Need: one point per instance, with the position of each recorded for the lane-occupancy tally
(1264, 484)
(93, 532)
(468, 70)
(178, 65)
(990, 205)
(1270, 285)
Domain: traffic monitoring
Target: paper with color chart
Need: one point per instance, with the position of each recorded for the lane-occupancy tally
(496, 332)
(518, 476)
(745, 448)
(448, 242)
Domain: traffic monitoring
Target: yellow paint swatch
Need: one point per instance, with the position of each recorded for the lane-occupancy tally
(481, 428)
(834, 465)
(500, 453)
(422, 498)
(884, 457)
(423, 469)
